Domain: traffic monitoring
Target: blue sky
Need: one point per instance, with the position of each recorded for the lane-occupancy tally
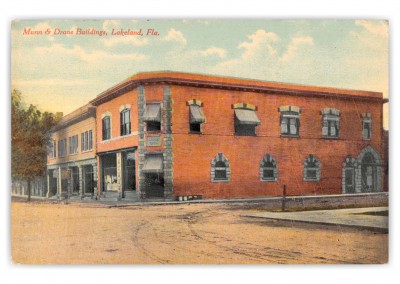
(63, 72)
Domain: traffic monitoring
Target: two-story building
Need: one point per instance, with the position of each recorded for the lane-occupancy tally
(71, 161)
(182, 136)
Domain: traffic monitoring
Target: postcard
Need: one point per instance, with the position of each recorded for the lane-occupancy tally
(199, 141)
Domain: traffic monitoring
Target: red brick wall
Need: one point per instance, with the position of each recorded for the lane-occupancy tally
(193, 153)
(112, 106)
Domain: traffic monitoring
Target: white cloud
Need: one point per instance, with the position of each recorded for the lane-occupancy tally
(211, 51)
(93, 56)
(174, 35)
(378, 28)
(294, 45)
(259, 41)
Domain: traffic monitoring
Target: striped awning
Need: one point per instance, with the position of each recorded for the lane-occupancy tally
(153, 164)
(246, 116)
(196, 114)
(152, 113)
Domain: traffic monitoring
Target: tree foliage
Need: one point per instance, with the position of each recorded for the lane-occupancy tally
(29, 138)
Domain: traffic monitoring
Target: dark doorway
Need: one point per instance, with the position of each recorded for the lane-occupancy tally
(154, 185)
(53, 182)
(350, 180)
(109, 165)
(88, 180)
(368, 173)
(129, 171)
(75, 180)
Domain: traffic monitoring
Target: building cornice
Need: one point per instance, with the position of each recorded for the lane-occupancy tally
(235, 84)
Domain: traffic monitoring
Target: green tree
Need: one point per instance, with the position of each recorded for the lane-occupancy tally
(29, 139)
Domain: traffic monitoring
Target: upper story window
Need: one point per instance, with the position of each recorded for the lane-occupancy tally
(125, 118)
(366, 125)
(106, 127)
(290, 120)
(73, 144)
(196, 116)
(152, 117)
(52, 150)
(220, 169)
(62, 148)
(268, 169)
(86, 141)
(312, 168)
(246, 119)
(330, 122)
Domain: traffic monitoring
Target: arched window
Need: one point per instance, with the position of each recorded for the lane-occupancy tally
(125, 119)
(220, 169)
(268, 169)
(312, 168)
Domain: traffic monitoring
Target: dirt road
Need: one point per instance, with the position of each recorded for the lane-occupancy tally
(181, 234)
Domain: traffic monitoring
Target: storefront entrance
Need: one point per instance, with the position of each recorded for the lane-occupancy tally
(88, 180)
(368, 173)
(129, 171)
(109, 165)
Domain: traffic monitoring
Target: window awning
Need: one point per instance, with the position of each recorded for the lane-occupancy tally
(153, 164)
(246, 116)
(196, 114)
(152, 113)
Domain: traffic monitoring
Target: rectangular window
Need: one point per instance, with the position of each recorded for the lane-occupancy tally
(330, 126)
(90, 140)
(152, 117)
(73, 144)
(153, 126)
(311, 174)
(82, 142)
(86, 140)
(220, 174)
(106, 128)
(125, 118)
(366, 130)
(289, 125)
(62, 148)
(293, 126)
(195, 127)
(54, 148)
(268, 173)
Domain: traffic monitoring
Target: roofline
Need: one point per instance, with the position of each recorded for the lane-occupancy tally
(77, 115)
(175, 78)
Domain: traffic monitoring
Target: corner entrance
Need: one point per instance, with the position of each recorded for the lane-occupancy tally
(154, 175)
(369, 174)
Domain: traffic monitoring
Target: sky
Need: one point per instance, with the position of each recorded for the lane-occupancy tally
(61, 70)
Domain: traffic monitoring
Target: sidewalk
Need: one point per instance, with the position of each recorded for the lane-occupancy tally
(373, 218)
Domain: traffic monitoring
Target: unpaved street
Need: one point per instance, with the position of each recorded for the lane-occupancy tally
(182, 234)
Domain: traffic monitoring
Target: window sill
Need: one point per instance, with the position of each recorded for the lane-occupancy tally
(311, 180)
(269, 180)
(331, 137)
(289, 136)
(73, 154)
(192, 132)
(220, 180)
(86, 151)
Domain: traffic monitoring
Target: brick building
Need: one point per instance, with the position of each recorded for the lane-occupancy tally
(71, 161)
(181, 136)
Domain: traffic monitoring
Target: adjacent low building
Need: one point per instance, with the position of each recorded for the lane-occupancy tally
(179, 136)
(71, 162)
